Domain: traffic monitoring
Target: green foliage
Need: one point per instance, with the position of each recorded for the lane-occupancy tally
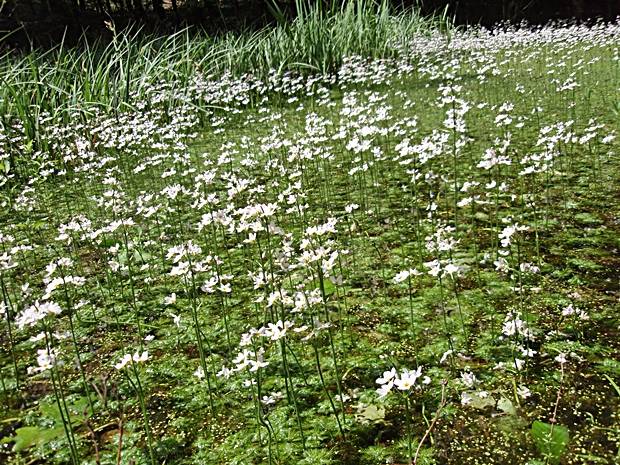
(31, 436)
(609, 365)
(317, 457)
(551, 440)
(613, 384)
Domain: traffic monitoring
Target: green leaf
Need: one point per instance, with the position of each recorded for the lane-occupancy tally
(28, 436)
(77, 409)
(613, 384)
(551, 440)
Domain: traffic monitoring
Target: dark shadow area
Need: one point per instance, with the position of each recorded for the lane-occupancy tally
(489, 12)
(43, 23)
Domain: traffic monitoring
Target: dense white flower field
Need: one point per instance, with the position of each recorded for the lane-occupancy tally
(411, 260)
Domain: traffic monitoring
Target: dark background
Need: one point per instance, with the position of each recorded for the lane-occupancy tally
(48, 21)
(489, 12)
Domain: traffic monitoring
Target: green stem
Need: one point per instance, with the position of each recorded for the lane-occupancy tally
(145, 415)
(408, 418)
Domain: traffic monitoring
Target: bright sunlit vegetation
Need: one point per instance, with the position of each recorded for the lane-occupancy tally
(362, 238)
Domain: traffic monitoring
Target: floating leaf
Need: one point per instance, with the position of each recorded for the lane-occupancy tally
(370, 414)
(481, 402)
(506, 406)
(511, 423)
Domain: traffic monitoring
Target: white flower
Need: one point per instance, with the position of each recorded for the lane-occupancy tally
(569, 310)
(405, 274)
(350, 207)
(452, 269)
(258, 364)
(140, 358)
(468, 379)
(523, 392)
(249, 382)
(529, 268)
(124, 361)
(408, 378)
(401, 276)
(434, 267)
(387, 376)
(527, 352)
(343, 398)
(38, 337)
(278, 331)
(36, 312)
(445, 355)
(385, 389)
(45, 361)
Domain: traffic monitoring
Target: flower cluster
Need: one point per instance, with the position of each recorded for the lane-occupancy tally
(404, 381)
(137, 357)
